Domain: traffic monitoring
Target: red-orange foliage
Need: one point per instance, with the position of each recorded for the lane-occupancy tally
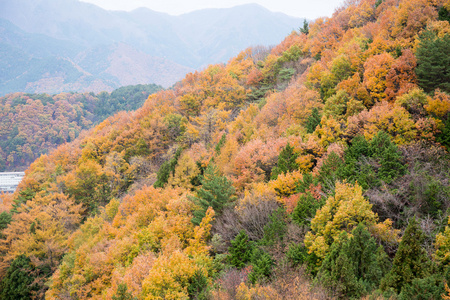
(401, 78)
(254, 162)
(412, 16)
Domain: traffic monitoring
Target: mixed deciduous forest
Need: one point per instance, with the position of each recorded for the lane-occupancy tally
(34, 124)
(315, 169)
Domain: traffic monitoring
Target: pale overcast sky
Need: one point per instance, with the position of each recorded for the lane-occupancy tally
(309, 9)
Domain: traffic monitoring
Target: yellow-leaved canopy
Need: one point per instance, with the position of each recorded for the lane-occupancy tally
(343, 212)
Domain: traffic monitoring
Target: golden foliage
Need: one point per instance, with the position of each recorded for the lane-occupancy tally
(341, 212)
(439, 105)
(390, 118)
(285, 184)
(442, 245)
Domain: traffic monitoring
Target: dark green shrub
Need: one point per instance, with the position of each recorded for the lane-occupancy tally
(313, 120)
(275, 230)
(297, 254)
(122, 293)
(306, 209)
(355, 265)
(167, 168)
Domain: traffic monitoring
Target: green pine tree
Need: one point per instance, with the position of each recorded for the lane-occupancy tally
(262, 265)
(433, 62)
(241, 250)
(221, 143)
(430, 287)
(313, 120)
(379, 144)
(359, 147)
(444, 136)
(410, 261)
(389, 157)
(370, 260)
(306, 209)
(327, 173)
(337, 272)
(198, 286)
(216, 191)
(391, 164)
(355, 265)
(297, 254)
(275, 229)
(286, 162)
(444, 14)
(5, 219)
(378, 2)
(305, 28)
(18, 281)
(304, 184)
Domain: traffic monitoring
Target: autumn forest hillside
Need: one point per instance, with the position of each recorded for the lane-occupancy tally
(35, 124)
(315, 169)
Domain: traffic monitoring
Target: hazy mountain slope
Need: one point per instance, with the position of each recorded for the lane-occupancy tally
(188, 39)
(38, 63)
(26, 58)
(124, 65)
(82, 23)
(36, 44)
(223, 30)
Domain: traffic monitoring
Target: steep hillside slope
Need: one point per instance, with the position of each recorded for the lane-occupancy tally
(316, 169)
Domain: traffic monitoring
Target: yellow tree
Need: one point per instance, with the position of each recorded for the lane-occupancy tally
(185, 171)
(341, 212)
(442, 244)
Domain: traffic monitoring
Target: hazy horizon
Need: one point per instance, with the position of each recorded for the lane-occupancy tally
(302, 9)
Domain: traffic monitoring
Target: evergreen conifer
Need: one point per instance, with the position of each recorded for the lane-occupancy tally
(18, 281)
(240, 250)
(167, 168)
(433, 62)
(410, 261)
(286, 162)
(216, 191)
(355, 265)
(122, 293)
(313, 120)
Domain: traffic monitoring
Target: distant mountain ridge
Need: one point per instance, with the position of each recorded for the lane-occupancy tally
(60, 45)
